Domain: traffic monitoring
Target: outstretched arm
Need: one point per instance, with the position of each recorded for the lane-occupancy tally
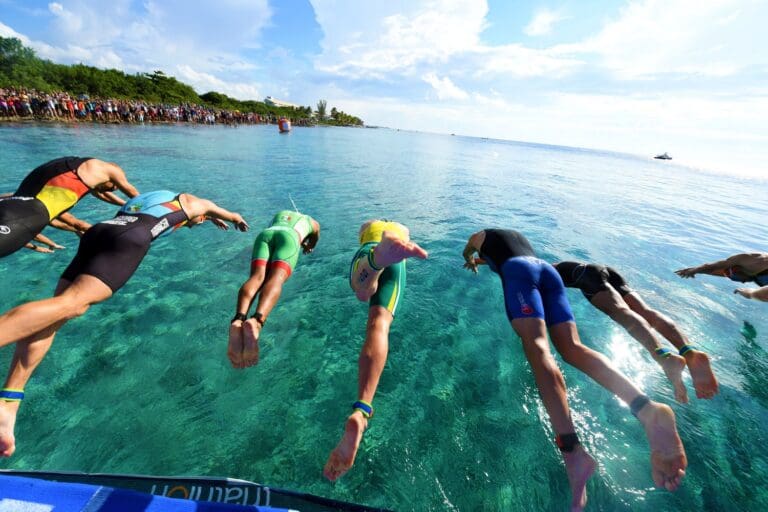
(68, 222)
(109, 197)
(716, 267)
(117, 176)
(754, 293)
(196, 207)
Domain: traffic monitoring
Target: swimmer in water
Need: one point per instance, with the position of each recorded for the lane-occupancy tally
(535, 301)
(109, 254)
(607, 290)
(50, 190)
(377, 276)
(275, 255)
(742, 268)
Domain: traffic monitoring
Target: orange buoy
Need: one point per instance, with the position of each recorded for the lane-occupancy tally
(284, 125)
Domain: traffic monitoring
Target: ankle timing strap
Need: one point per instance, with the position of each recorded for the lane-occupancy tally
(567, 442)
(259, 318)
(364, 407)
(11, 395)
(685, 349)
(638, 403)
(662, 352)
(370, 260)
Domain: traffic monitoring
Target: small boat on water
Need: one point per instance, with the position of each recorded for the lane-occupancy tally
(663, 156)
(284, 125)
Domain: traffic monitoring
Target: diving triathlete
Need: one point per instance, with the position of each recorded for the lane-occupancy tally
(50, 190)
(377, 276)
(109, 254)
(607, 290)
(275, 255)
(535, 301)
(742, 268)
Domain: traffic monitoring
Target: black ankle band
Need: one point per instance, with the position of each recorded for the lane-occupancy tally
(567, 442)
(638, 403)
(259, 318)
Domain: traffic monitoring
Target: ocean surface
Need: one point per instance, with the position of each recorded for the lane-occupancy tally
(141, 384)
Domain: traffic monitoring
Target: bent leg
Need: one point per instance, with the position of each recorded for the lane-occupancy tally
(373, 357)
(668, 458)
(32, 317)
(704, 381)
(612, 304)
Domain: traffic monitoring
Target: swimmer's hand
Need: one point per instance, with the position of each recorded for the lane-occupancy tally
(686, 272)
(744, 292)
(219, 223)
(241, 225)
(39, 248)
(473, 263)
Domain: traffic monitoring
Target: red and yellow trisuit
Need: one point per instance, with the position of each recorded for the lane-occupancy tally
(48, 191)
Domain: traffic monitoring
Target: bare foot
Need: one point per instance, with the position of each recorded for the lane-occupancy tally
(668, 461)
(235, 346)
(704, 381)
(393, 250)
(251, 331)
(673, 368)
(579, 465)
(8, 412)
(343, 456)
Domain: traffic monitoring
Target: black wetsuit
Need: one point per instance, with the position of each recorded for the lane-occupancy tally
(45, 193)
(591, 278)
(501, 244)
(113, 249)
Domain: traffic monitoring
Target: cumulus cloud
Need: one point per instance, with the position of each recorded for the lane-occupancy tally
(542, 22)
(171, 35)
(655, 37)
(445, 88)
(395, 37)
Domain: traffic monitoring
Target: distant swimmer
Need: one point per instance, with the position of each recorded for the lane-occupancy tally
(377, 276)
(742, 268)
(535, 301)
(50, 190)
(275, 255)
(109, 254)
(607, 290)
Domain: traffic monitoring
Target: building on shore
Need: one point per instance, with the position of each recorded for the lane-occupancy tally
(274, 102)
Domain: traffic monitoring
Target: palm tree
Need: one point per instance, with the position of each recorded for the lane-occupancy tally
(321, 106)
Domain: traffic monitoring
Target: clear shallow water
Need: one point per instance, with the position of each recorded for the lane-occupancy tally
(141, 384)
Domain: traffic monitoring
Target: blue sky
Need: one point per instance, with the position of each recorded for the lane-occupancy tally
(644, 76)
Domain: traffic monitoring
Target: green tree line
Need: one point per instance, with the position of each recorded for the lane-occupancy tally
(21, 67)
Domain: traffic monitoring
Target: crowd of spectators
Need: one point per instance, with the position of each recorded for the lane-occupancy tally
(61, 106)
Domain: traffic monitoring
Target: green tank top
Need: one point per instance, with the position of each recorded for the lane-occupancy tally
(299, 222)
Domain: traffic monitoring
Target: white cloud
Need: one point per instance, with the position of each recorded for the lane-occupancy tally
(519, 61)
(396, 36)
(653, 37)
(205, 82)
(171, 35)
(542, 22)
(444, 87)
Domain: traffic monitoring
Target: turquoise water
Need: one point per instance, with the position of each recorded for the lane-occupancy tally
(141, 383)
